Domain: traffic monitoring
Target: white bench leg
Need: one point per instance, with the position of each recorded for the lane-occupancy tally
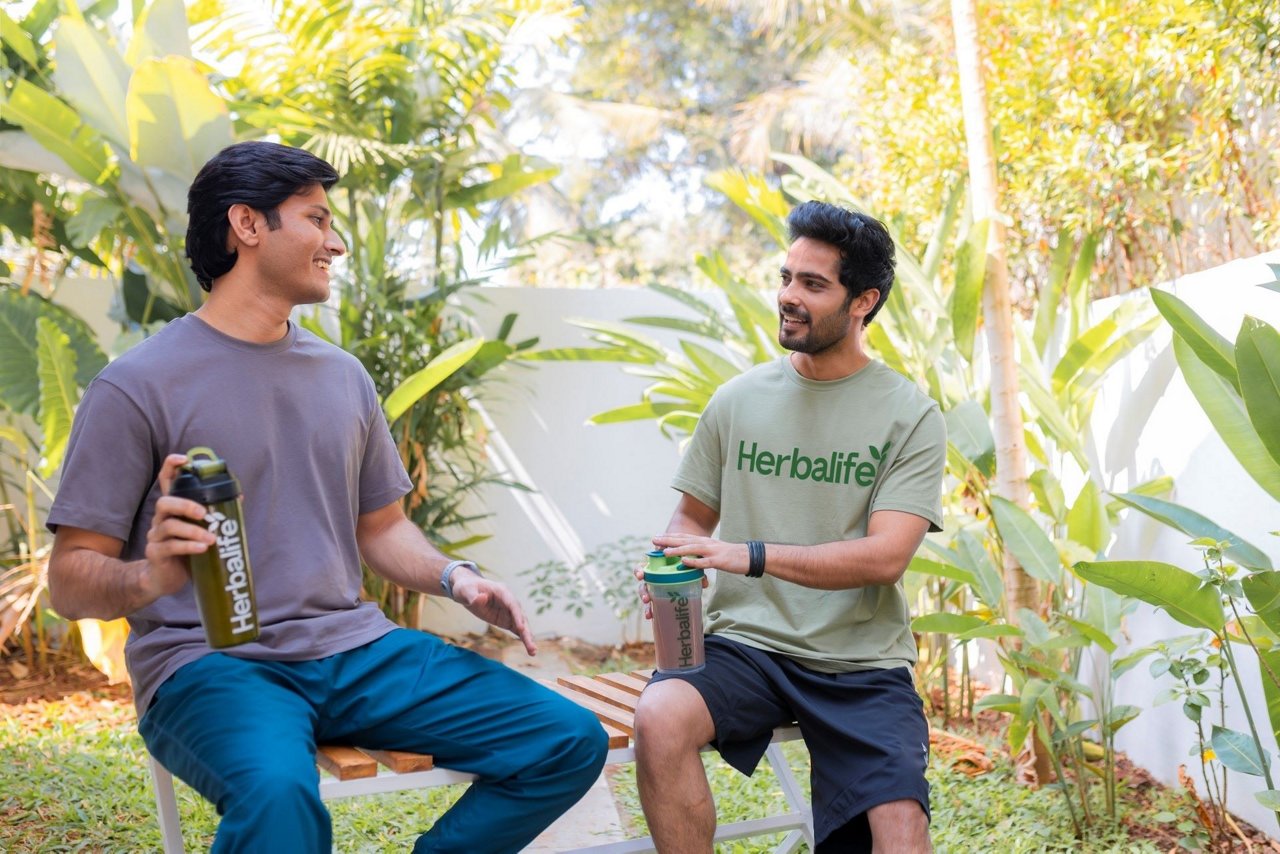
(167, 807)
(795, 797)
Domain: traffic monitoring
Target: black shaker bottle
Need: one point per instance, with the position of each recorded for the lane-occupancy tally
(222, 577)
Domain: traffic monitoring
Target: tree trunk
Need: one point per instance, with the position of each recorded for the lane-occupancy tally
(1020, 589)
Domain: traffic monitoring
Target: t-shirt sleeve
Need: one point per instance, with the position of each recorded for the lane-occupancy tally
(382, 475)
(700, 470)
(110, 465)
(913, 483)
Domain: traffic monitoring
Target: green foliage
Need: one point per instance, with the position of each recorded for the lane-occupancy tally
(604, 575)
(48, 355)
(1163, 585)
(1212, 599)
(1130, 124)
(684, 379)
(129, 127)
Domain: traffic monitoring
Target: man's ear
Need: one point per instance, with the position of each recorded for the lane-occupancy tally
(245, 225)
(864, 302)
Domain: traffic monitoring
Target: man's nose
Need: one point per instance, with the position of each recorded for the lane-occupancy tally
(333, 243)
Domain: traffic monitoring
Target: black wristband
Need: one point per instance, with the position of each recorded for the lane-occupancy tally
(755, 558)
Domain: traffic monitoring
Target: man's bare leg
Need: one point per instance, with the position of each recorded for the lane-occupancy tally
(899, 827)
(672, 722)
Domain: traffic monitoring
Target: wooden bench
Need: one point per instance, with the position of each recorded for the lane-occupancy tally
(352, 771)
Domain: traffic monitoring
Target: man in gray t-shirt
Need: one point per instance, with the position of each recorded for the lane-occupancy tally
(299, 423)
(822, 471)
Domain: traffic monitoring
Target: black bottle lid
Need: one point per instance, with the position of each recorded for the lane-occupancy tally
(205, 478)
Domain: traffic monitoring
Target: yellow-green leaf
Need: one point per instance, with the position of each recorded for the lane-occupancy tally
(1258, 363)
(1226, 410)
(436, 371)
(1163, 585)
(59, 130)
(175, 121)
(93, 76)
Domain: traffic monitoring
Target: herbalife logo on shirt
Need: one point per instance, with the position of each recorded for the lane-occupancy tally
(836, 467)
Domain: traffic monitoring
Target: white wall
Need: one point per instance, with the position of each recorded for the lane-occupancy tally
(592, 485)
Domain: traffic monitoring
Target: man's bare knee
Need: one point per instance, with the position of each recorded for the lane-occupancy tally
(672, 717)
(899, 827)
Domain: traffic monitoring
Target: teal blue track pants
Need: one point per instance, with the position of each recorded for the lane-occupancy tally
(243, 734)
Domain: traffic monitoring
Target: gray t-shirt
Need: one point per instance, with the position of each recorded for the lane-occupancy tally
(299, 424)
(789, 460)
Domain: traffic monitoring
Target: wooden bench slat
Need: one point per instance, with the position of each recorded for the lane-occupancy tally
(601, 691)
(608, 714)
(624, 681)
(646, 675)
(345, 763)
(617, 738)
(402, 761)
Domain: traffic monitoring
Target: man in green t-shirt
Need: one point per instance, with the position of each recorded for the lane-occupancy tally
(823, 472)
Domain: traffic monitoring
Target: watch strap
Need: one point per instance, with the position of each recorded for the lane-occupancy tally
(446, 577)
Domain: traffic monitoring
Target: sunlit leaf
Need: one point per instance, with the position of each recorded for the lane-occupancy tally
(1226, 410)
(1213, 350)
(1193, 524)
(423, 381)
(175, 121)
(56, 363)
(1163, 585)
(1028, 542)
(1258, 363)
(966, 297)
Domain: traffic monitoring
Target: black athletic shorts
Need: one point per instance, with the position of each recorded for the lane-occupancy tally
(866, 732)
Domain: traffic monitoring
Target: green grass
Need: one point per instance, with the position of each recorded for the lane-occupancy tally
(991, 812)
(85, 787)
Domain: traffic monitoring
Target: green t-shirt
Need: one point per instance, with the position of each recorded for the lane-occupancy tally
(785, 459)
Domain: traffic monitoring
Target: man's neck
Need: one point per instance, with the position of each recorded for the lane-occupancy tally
(834, 363)
(243, 313)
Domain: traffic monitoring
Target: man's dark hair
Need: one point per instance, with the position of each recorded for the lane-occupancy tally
(866, 249)
(259, 174)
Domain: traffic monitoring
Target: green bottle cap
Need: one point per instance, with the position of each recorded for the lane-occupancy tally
(669, 570)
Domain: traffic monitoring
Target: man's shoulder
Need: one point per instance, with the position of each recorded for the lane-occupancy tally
(313, 345)
(893, 384)
(159, 351)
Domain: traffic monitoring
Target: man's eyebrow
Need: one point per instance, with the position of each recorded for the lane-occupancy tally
(320, 209)
(804, 275)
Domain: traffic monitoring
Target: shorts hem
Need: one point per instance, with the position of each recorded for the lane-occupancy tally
(846, 814)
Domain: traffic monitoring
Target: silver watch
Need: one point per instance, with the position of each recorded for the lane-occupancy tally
(448, 573)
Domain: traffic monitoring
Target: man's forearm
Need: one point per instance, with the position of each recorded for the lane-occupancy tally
(84, 583)
(879, 558)
(399, 552)
(835, 566)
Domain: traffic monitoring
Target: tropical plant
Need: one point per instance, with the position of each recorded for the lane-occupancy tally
(39, 389)
(1238, 386)
(115, 136)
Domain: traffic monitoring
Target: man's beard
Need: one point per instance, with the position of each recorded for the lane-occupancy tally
(817, 337)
